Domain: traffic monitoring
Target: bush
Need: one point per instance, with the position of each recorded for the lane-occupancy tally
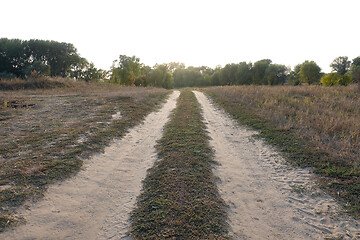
(334, 79)
(345, 80)
(329, 79)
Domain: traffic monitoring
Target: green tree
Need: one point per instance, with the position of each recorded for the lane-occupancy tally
(340, 65)
(294, 76)
(39, 67)
(175, 65)
(259, 71)
(215, 77)
(244, 74)
(334, 79)
(330, 79)
(143, 79)
(125, 70)
(355, 70)
(310, 72)
(228, 74)
(179, 78)
(161, 77)
(276, 74)
(13, 58)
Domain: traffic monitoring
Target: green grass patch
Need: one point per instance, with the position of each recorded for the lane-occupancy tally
(336, 175)
(180, 199)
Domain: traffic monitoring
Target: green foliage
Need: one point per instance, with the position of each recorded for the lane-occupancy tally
(355, 70)
(215, 78)
(259, 70)
(310, 72)
(294, 76)
(13, 58)
(126, 71)
(340, 65)
(21, 58)
(334, 79)
(193, 76)
(345, 79)
(244, 73)
(39, 67)
(228, 74)
(276, 74)
(329, 79)
(160, 76)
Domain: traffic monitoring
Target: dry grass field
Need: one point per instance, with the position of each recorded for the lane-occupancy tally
(46, 134)
(315, 126)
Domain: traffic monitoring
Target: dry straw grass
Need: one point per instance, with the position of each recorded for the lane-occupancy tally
(46, 133)
(326, 116)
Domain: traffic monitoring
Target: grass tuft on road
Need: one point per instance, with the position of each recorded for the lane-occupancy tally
(180, 199)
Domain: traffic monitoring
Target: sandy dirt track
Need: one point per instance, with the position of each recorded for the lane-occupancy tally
(95, 204)
(267, 199)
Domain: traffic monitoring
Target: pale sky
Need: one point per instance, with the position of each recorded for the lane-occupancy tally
(195, 32)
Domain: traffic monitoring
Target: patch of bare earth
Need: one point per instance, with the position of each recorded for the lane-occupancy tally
(268, 199)
(96, 202)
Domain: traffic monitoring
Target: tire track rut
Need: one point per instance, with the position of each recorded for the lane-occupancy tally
(268, 199)
(95, 204)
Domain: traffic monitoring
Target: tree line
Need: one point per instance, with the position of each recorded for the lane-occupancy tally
(19, 58)
(129, 71)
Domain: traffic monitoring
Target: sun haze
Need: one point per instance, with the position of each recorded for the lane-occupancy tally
(196, 33)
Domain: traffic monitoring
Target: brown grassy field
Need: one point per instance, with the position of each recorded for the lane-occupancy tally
(317, 126)
(46, 134)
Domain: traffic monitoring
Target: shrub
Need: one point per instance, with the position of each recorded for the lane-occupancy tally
(334, 79)
(345, 80)
(330, 79)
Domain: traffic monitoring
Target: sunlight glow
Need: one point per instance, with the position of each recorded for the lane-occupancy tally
(194, 32)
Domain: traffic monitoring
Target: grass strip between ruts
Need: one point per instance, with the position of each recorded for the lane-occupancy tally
(337, 178)
(180, 199)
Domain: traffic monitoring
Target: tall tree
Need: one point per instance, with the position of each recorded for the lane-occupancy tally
(259, 70)
(294, 76)
(20, 57)
(276, 74)
(340, 65)
(161, 77)
(228, 74)
(244, 73)
(310, 72)
(13, 58)
(355, 70)
(125, 70)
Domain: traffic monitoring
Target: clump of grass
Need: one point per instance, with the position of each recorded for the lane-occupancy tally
(312, 125)
(180, 199)
(40, 145)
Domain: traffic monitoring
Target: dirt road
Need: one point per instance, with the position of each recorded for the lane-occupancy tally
(268, 199)
(96, 202)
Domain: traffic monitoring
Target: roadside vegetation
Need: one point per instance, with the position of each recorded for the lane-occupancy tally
(313, 126)
(47, 134)
(180, 199)
(27, 58)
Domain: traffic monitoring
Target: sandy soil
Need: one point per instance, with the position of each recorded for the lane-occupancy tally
(268, 199)
(95, 204)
